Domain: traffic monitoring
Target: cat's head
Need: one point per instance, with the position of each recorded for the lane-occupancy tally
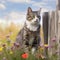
(33, 16)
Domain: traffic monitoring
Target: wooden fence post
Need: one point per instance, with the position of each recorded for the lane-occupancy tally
(51, 30)
(45, 27)
(58, 36)
(58, 4)
(58, 25)
(45, 30)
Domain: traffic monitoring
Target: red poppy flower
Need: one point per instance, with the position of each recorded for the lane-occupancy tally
(25, 55)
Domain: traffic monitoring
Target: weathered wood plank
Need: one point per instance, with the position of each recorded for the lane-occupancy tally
(51, 30)
(59, 34)
(58, 4)
(45, 30)
(45, 27)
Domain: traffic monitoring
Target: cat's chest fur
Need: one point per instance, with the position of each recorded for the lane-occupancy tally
(31, 27)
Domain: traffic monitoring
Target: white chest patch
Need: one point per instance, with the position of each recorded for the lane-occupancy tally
(31, 27)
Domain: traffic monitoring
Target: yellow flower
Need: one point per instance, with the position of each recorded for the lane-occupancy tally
(46, 45)
(1, 49)
(41, 48)
(11, 52)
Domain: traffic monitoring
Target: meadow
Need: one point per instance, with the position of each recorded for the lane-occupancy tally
(9, 50)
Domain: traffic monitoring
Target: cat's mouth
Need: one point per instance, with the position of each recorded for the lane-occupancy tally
(35, 22)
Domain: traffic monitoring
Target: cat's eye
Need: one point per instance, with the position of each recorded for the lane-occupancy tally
(39, 17)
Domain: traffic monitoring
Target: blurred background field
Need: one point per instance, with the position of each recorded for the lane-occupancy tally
(10, 32)
(8, 49)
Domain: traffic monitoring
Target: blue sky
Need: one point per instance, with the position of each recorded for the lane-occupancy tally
(16, 9)
(21, 6)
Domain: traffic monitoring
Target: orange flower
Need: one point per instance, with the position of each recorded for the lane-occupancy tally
(25, 55)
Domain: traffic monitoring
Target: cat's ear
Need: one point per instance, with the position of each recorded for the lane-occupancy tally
(29, 10)
(39, 11)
